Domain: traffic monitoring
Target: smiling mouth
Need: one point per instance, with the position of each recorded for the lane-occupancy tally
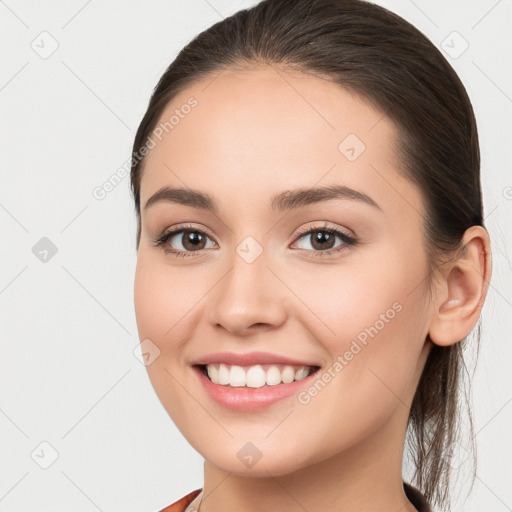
(255, 376)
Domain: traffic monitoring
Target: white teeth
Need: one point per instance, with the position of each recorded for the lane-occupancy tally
(255, 376)
(237, 376)
(213, 373)
(288, 374)
(273, 376)
(301, 373)
(223, 374)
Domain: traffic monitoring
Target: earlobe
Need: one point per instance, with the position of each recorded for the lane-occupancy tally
(462, 289)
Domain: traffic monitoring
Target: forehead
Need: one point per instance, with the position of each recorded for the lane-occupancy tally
(257, 131)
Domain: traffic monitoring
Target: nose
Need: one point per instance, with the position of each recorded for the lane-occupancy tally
(249, 297)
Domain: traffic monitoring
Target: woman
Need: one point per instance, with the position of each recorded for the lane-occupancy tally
(311, 257)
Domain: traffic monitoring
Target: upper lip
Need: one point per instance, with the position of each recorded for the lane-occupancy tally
(249, 359)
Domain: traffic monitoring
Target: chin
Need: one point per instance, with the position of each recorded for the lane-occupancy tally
(256, 460)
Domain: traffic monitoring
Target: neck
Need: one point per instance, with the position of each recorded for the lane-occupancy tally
(364, 478)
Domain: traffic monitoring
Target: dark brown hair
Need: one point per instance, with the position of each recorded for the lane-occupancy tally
(385, 60)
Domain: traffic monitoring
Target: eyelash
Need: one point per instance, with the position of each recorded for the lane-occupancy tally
(348, 241)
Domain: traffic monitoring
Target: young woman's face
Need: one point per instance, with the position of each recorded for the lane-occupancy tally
(262, 273)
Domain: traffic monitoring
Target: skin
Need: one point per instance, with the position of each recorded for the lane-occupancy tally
(254, 133)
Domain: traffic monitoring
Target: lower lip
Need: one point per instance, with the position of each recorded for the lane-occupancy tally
(249, 399)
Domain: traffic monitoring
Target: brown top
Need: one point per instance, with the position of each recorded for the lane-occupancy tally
(182, 503)
(413, 495)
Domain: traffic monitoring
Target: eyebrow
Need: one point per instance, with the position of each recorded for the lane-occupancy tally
(284, 201)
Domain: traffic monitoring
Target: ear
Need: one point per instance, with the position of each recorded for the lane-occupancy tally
(461, 291)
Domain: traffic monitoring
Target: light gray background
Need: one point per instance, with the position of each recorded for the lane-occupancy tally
(69, 376)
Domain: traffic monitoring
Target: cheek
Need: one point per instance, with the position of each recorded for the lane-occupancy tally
(162, 301)
(165, 300)
(370, 316)
(372, 327)
(347, 299)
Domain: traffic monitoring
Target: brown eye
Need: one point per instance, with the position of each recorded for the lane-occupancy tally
(192, 240)
(183, 241)
(322, 240)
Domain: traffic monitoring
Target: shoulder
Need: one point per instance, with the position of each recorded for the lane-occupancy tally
(182, 503)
